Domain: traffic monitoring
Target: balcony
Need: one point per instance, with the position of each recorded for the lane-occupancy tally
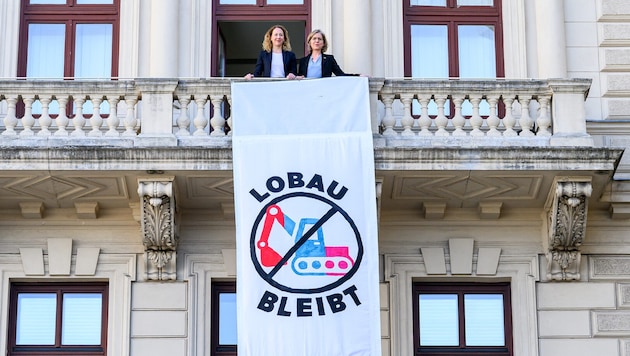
(488, 145)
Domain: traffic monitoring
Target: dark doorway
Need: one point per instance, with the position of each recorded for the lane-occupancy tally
(239, 43)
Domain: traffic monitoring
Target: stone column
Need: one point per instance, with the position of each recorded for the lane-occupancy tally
(551, 38)
(358, 38)
(163, 61)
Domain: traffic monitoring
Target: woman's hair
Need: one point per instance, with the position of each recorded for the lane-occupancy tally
(313, 33)
(267, 45)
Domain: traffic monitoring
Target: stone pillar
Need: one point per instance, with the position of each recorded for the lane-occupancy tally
(163, 61)
(157, 100)
(551, 38)
(569, 112)
(358, 38)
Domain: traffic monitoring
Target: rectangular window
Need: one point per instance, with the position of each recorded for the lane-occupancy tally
(223, 328)
(454, 318)
(453, 39)
(69, 38)
(58, 318)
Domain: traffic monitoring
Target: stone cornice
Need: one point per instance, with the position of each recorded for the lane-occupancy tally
(509, 158)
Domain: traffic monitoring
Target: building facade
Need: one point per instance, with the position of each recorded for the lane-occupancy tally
(499, 135)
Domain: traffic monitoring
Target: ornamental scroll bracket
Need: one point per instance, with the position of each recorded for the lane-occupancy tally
(567, 227)
(159, 233)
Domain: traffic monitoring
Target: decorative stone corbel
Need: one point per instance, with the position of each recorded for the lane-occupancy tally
(159, 235)
(567, 227)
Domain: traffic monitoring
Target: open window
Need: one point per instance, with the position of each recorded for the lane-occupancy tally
(240, 26)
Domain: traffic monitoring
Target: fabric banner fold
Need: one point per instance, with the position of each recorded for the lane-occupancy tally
(306, 230)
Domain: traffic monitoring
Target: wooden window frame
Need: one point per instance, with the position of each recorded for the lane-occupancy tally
(69, 14)
(60, 289)
(261, 8)
(453, 16)
(461, 289)
(259, 12)
(216, 289)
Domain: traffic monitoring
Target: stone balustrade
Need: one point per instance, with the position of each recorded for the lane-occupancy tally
(404, 112)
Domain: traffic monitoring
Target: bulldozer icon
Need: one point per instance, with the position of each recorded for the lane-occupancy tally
(312, 257)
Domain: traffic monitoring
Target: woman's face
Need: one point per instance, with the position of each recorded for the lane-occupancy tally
(316, 42)
(277, 37)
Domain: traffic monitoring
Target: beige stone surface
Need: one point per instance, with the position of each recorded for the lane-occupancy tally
(564, 324)
(576, 295)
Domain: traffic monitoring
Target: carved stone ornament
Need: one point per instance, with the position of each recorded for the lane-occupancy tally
(158, 229)
(567, 226)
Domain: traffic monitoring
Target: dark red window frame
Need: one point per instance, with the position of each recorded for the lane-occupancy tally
(460, 289)
(69, 14)
(216, 289)
(453, 16)
(259, 12)
(59, 289)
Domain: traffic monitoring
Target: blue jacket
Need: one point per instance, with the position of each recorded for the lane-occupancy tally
(263, 64)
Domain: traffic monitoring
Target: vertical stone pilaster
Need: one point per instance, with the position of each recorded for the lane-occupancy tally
(159, 233)
(567, 227)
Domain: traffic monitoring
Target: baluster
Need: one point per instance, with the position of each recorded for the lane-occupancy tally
(44, 119)
(543, 121)
(96, 120)
(62, 118)
(458, 120)
(493, 120)
(509, 121)
(407, 119)
(475, 120)
(130, 119)
(424, 121)
(388, 120)
(441, 120)
(113, 121)
(200, 120)
(183, 121)
(78, 121)
(526, 121)
(10, 121)
(229, 120)
(217, 121)
(28, 121)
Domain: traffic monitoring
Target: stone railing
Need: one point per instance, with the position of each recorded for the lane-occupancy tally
(405, 112)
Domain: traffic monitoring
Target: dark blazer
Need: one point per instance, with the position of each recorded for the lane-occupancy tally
(329, 66)
(263, 64)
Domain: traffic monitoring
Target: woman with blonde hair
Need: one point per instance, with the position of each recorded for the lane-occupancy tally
(276, 59)
(317, 64)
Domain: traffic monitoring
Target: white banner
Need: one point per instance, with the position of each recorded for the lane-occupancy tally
(306, 230)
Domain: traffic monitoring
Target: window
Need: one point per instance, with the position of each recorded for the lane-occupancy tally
(223, 326)
(58, 318)
(462, 318)
(69, 38)
(240, 25)
(453, 38)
